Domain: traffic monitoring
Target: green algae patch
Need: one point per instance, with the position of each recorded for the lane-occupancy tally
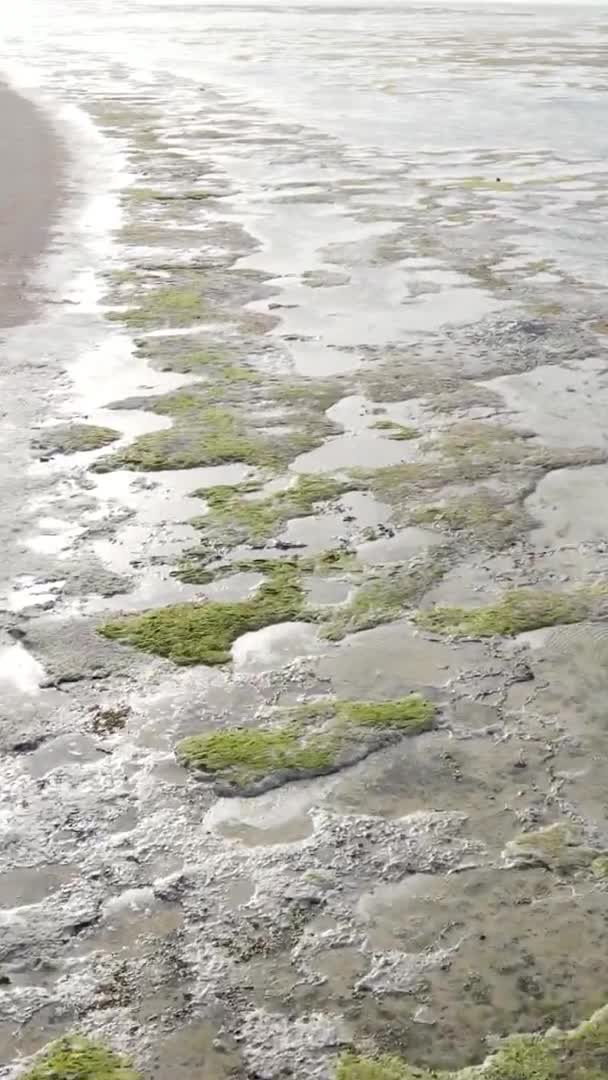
(599, 867)
(167, 306)
(217, 422)
(317, 394)
(317, 737)
(211, 361)
(73, 438)
(488, 442)
(392, 430)
(412, 714)
(237, 515)
(558, 847)
(518, 611)
(579, 1054)
(249, 753)
(203, 633)
(483, 516)
(330, 562)
(75, 1058)
(199, 436)
(385, 598)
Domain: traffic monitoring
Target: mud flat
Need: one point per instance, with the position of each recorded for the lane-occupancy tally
(305, 626)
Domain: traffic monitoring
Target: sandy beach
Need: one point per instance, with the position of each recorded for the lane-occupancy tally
(303, 621)
(29, 199)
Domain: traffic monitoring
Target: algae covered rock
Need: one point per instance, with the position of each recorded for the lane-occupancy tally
(73, 438)
(317, 737)
(518, 611)
(76, 1058)
(558, 847)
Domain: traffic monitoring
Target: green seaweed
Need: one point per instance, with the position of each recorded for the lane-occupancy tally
(487, 442)
(385, 598)
(166, 306)
(557, 847)
(237, 516)
(313, 738)
(518, 611)
(74, 438)
(599, 867)
(392, 430)
(579, 1054)
(247, 753)
(203, 633)
(483, 516)
(76, 1058)
(201, 436)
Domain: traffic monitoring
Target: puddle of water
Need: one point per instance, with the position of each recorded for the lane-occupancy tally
(325, 591)
(64, 750)
(399, 548)
(356, 451)
(20, 671)
(317, 532)
(280, 816)
(195, 1050)
(382, 304)
(31, 884)
(275, 646)
(56, 537)
(28, 592)
(312, 357)
(235, 587)
(390, 661)
(569, 505)
(124, 929)
(166, 496)
(565, 406)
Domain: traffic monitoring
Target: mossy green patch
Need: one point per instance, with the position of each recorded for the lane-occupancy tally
(483, 516)
(468, 395)
(580, 1054)
(247, 753)
(410, 715)
(238, 515)
(392, 430)
(330, 562)
(519, 610)
(203, 633)
(166, 306)
(207, 435)
(557, 847)
(317, 394)
(317, 737)
(486, 441)
(73, 438)
(76, 1058)
(599, 866)
(210, 361)
(385, 598)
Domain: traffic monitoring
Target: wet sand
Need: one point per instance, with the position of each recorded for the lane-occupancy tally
(29, 200)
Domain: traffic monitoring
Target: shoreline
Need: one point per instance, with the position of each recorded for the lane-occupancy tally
(30, 198)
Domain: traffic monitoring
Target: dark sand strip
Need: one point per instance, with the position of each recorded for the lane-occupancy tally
(30, 175)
